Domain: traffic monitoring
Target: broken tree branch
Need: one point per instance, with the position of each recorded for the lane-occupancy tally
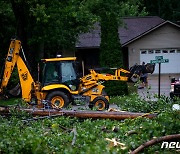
(81, 114)
(155, 141)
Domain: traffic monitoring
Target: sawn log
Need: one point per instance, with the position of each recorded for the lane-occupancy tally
(81, 113)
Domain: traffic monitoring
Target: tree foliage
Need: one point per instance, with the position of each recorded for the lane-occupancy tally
(166, 9)
(7, 27)
(51, 25)
(46, 27)
(110, 13)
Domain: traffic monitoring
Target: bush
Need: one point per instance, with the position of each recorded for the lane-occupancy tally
(111, 52)
(115, 88)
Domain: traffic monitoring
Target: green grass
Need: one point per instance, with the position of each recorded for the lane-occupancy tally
(10, 101)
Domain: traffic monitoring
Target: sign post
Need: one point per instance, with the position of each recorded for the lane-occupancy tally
(159, 60)
(159, 81)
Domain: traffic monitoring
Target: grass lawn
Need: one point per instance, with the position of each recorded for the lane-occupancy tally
(10, 101)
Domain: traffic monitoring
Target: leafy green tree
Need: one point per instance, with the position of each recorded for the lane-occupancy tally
(7, 27)
(44, 25)
(110, 13)
(166, 9)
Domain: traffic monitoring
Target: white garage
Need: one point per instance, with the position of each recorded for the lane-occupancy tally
(162, 40)
(172, 65)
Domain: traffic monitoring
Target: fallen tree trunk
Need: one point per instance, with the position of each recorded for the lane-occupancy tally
(81, 113)
(155, 141)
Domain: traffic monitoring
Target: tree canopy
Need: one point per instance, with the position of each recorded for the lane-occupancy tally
(46, 27)
(54, 25)
(166, 9)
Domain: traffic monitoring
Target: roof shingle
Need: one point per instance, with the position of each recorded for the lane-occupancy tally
(133, 27)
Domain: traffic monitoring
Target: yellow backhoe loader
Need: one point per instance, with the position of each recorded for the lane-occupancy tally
(60, 84)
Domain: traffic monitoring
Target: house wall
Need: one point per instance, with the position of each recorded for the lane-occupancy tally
(167, 36)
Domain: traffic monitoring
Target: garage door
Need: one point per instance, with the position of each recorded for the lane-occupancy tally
(173, 66)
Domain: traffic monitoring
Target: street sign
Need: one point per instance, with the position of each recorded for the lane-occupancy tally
(153, 61)
(159, 61)
(164, 60)
(159, 57)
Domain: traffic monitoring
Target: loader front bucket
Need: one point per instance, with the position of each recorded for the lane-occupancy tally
(137, 70)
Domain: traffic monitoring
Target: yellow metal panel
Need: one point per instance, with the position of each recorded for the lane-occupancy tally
(11, 60)
(59, 59)
(26, 80)
(95, 92)
(58, 86)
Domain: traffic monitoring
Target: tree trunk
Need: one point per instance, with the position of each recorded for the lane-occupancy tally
(81, 114)
(21, 12)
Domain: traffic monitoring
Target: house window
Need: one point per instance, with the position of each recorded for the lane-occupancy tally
(165, 51)
(172, 51)
(150, 51)
(157, 51)
(144, 52)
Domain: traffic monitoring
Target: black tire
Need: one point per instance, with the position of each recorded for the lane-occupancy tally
(171, 95)
(57, 99)
(101, 103)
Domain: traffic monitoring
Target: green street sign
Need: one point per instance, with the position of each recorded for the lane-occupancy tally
(164, 60)
(159, 61)
(159, 57)
(153, 61)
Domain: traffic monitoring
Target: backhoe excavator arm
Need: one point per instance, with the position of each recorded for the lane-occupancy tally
(11, 60)
(14, 58)
(94, 76)
(133, 75)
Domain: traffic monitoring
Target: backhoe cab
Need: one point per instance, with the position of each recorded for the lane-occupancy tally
(61, 83)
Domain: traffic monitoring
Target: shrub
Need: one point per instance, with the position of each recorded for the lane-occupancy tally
(111, 52)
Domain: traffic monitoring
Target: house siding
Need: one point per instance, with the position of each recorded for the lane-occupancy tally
(167, 36)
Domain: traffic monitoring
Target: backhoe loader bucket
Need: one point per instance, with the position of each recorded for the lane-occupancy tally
(137, 70)
(150, 68)
(16, 91)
